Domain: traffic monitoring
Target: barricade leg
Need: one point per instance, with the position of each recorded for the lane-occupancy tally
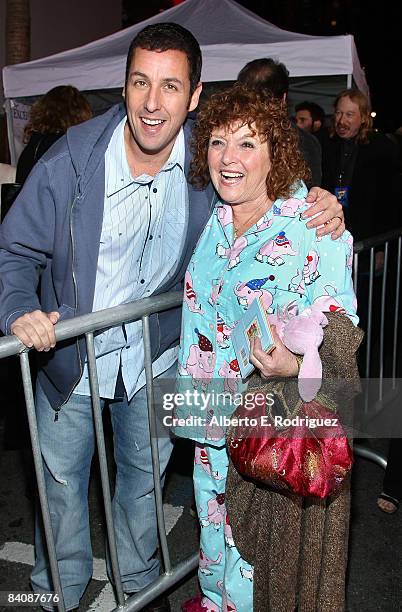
(100, 441)
(40, 477)
(154, 445)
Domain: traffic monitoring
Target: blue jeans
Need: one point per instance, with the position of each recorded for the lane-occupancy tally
(67, 446)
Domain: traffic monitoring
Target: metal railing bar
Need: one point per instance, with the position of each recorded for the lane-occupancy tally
(40, 477)
(396, 316)
(153, 432)
(368, 243)
(387, 398)
(100, 441)
(370, 312)
(371, 455)
(382, 319)
(161, 585)
(94, 321)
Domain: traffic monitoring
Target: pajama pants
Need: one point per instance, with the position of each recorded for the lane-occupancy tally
(226, 580)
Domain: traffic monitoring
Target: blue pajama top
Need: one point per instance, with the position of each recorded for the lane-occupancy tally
(279, 259)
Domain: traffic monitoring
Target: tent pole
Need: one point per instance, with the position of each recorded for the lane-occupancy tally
(10, 131)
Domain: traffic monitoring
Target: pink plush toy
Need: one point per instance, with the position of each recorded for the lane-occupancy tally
(303, 334)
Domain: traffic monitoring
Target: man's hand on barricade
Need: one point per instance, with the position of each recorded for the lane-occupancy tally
(330, 217)
(36, 329)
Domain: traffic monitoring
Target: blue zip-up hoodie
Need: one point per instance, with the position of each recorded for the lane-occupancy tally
(52, 232)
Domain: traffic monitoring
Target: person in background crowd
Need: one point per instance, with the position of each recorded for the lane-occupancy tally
(357, 163)
(107, 216)
(273, 77)
(50, 118)
(311, 117)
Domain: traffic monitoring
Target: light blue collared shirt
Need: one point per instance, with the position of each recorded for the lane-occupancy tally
(143, 231)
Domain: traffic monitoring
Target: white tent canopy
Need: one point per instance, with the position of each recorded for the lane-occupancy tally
(229, 35)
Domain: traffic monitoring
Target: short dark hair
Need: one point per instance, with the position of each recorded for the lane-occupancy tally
(166, 37)
(266, 73)
(316, 111)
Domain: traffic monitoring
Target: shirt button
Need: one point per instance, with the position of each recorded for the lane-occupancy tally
(151, 237)
(142, 281)
(154, 190)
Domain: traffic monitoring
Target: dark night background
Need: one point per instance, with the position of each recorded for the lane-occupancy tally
(376, 26)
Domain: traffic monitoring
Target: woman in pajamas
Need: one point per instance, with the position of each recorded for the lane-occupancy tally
(254, 245)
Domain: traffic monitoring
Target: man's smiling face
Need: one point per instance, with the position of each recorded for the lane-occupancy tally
(157, 95)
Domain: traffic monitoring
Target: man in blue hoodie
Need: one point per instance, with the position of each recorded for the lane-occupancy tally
(107, 216)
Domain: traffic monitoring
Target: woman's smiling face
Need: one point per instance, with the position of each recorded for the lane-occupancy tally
(239, 162)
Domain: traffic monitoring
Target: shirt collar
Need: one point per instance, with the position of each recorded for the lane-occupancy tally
(177, 154)
(119, 172)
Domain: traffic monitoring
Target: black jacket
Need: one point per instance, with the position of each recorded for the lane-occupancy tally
(311, 150)
(373, 201)
(37, 145)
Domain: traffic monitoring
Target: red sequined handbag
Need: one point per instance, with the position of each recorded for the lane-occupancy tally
(310, 455)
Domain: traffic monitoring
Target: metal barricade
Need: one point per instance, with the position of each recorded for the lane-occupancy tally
(88, 324)
(390, 244)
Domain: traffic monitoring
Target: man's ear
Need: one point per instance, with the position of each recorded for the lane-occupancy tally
(195, 97)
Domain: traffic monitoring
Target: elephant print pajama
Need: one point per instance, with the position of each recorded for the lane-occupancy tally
(283, 262)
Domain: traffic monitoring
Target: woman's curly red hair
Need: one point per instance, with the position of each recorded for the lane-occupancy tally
(263, 114)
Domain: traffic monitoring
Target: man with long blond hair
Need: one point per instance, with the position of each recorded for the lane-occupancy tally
(358, 163)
